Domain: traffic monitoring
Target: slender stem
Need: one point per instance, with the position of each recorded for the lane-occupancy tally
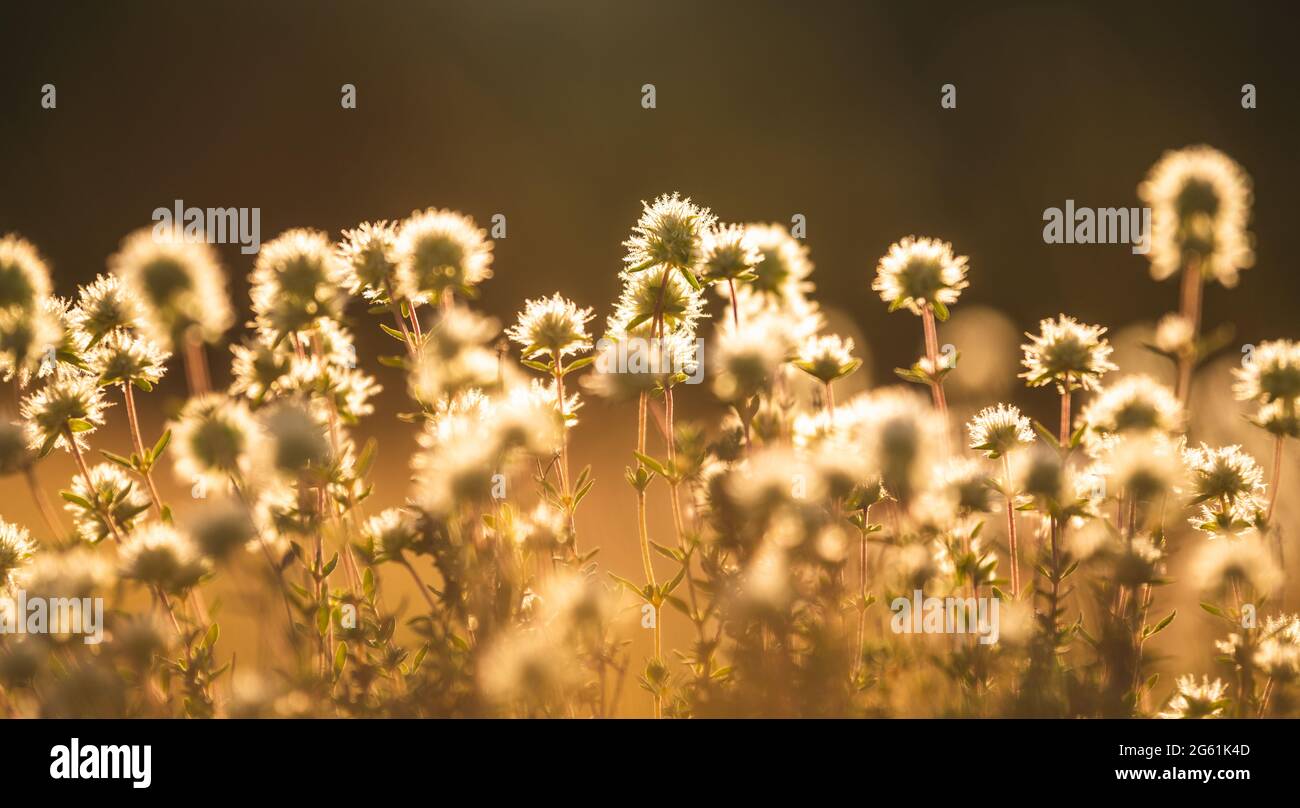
(145, 471)
(196, 367)
(830, 402)
(1190, 308)
(1065, 413)
(396, 309)
(90, 485)
(48, 514)
(932, 354)
(1011, 527)
(735, 307)
(564, 451)
(1278, 441)
(862, 590)
(419, 583)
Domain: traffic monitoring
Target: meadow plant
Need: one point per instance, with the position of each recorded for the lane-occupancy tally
(800, 518)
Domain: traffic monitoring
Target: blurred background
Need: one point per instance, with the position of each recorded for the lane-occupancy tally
(764, 110)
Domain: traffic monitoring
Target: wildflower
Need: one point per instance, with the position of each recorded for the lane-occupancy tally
(1192, 700)
(1278, 655)
(917, 273)
(124, 358)
(24, 277)
(29, 341)
(1175, 335)
(553, 326)
(256, 368)
(77, 572)
(140, 640)
(160, 556)
(1066, 352)
(1235, 518)
(1242, 565)
(294, 441)
(370, 255)
(219, 526)
(668, 235)
(454, 358)
(747, 358)
(349, 391)
(1279, 417)
(1134, 404)
(1226, 474)
(392, 532)
(964, 483)
(1145, 466)
(657, 296)
(1200, 204)
(14, 452)
(16, 550)
(178, 284)
(1137, 562)
(213, 437)
(439, 251)
(996, 431)
(70, 404)
(901, 437)
(730, 254)
(102, 307)
(296, 281)
(1271, 374)
(826, 358)
(110, 491)
(525, 667)
(780, 280)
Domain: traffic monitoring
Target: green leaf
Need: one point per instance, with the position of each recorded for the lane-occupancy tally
(160, 446)
(940, 310)
(143, 385)
(330, 566)
(340, 658)
(210, 639)
(652, 464)
(113, 457)
(79, 501)
(540, 367)
(579, 364)
(80, 425)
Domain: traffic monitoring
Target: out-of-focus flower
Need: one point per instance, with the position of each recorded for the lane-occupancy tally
(28, 341)
(220, 526)
(1192, 700)
(1067, 353)
(730, 254)
(178, 284)
(746, 359)
(213, 438)
(392, 531)
(24, 277)
(1136, 404)
(1225, 566)
(1200, 206)
(1272, 374)
(920, 272)
(158, 555)
(16, 549)
(15, 454)
(1175, 335)
(297, 281)
(440, 250)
